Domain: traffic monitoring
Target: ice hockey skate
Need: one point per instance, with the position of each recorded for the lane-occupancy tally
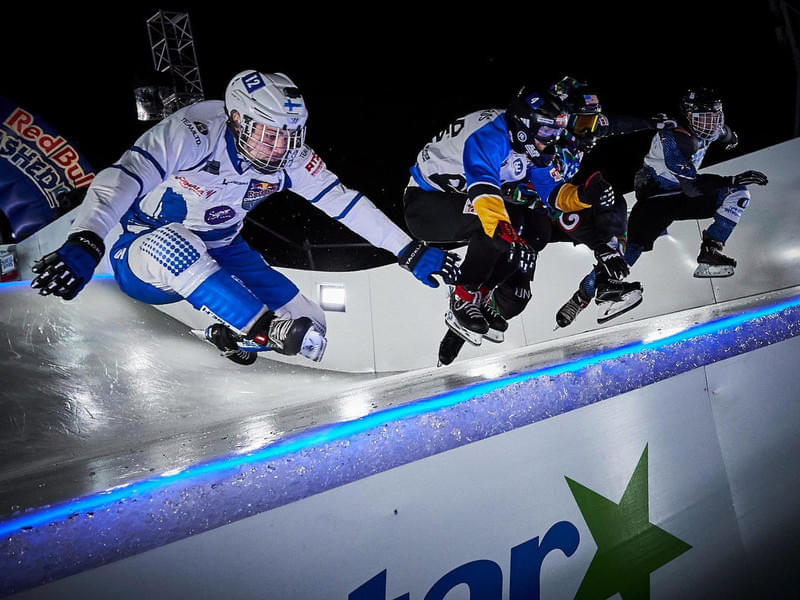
(567, 313)
(449, 348)
(283, 335)
(294, 336)
(497, 324)
(616, 297)
(228, 343)
(711, 262)
(465, 317)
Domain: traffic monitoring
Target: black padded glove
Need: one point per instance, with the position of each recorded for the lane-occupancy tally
(748, 178)
(611, 263)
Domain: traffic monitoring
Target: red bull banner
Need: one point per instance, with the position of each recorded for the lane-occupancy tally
(37, 167)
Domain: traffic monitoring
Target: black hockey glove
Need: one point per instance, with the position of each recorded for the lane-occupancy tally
(611, 263)
(425, 261)
(747, 178)
(64, 272)
(516, 248)
(597, 192)
(733, 142)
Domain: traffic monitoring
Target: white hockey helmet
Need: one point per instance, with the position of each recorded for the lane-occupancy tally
(268, 117)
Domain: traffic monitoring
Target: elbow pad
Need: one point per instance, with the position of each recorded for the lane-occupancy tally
(490, 210)
(568, 199)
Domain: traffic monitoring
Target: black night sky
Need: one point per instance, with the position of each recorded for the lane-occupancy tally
(380, 83)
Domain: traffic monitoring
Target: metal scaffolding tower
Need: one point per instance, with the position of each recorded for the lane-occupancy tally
(172, 46)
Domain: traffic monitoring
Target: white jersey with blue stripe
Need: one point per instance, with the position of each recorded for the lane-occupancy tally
(471, 151)
(186, 170)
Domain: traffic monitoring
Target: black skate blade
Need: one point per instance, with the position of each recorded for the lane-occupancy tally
(449, 348)
(622, 312)
(241, 357)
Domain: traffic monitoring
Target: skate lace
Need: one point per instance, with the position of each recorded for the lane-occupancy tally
(470, 309)
(490, 307)
(278, 330)
(571, 308)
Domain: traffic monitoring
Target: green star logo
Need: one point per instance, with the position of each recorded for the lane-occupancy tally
(629, 546)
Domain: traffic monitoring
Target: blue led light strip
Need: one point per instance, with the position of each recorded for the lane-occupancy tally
(344, 430)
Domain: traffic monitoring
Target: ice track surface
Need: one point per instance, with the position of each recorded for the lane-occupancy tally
(104, 390)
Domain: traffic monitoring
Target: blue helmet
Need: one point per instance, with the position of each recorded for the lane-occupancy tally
(533, 117)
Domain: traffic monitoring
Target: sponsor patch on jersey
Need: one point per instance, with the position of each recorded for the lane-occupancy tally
(188, 185)
(193, 128)
(314, 164)
(519, 166)
(219, 214)
(201, 127)
(257, 191)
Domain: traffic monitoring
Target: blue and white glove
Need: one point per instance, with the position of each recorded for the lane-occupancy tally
(425, 261)
(64, 272)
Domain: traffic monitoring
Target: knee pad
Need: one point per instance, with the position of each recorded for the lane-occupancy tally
(512, 299)
(733, 204)
(171, 258)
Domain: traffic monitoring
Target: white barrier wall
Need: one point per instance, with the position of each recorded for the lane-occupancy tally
(393, 323)
(681, 489)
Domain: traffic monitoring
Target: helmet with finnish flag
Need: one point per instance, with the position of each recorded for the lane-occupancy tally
(267, 116)
(532, 117)
(702, 108)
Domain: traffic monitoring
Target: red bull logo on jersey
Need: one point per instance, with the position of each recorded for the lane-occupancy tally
(257, 191)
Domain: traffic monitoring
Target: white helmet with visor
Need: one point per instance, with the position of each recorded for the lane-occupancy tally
(268, 116)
